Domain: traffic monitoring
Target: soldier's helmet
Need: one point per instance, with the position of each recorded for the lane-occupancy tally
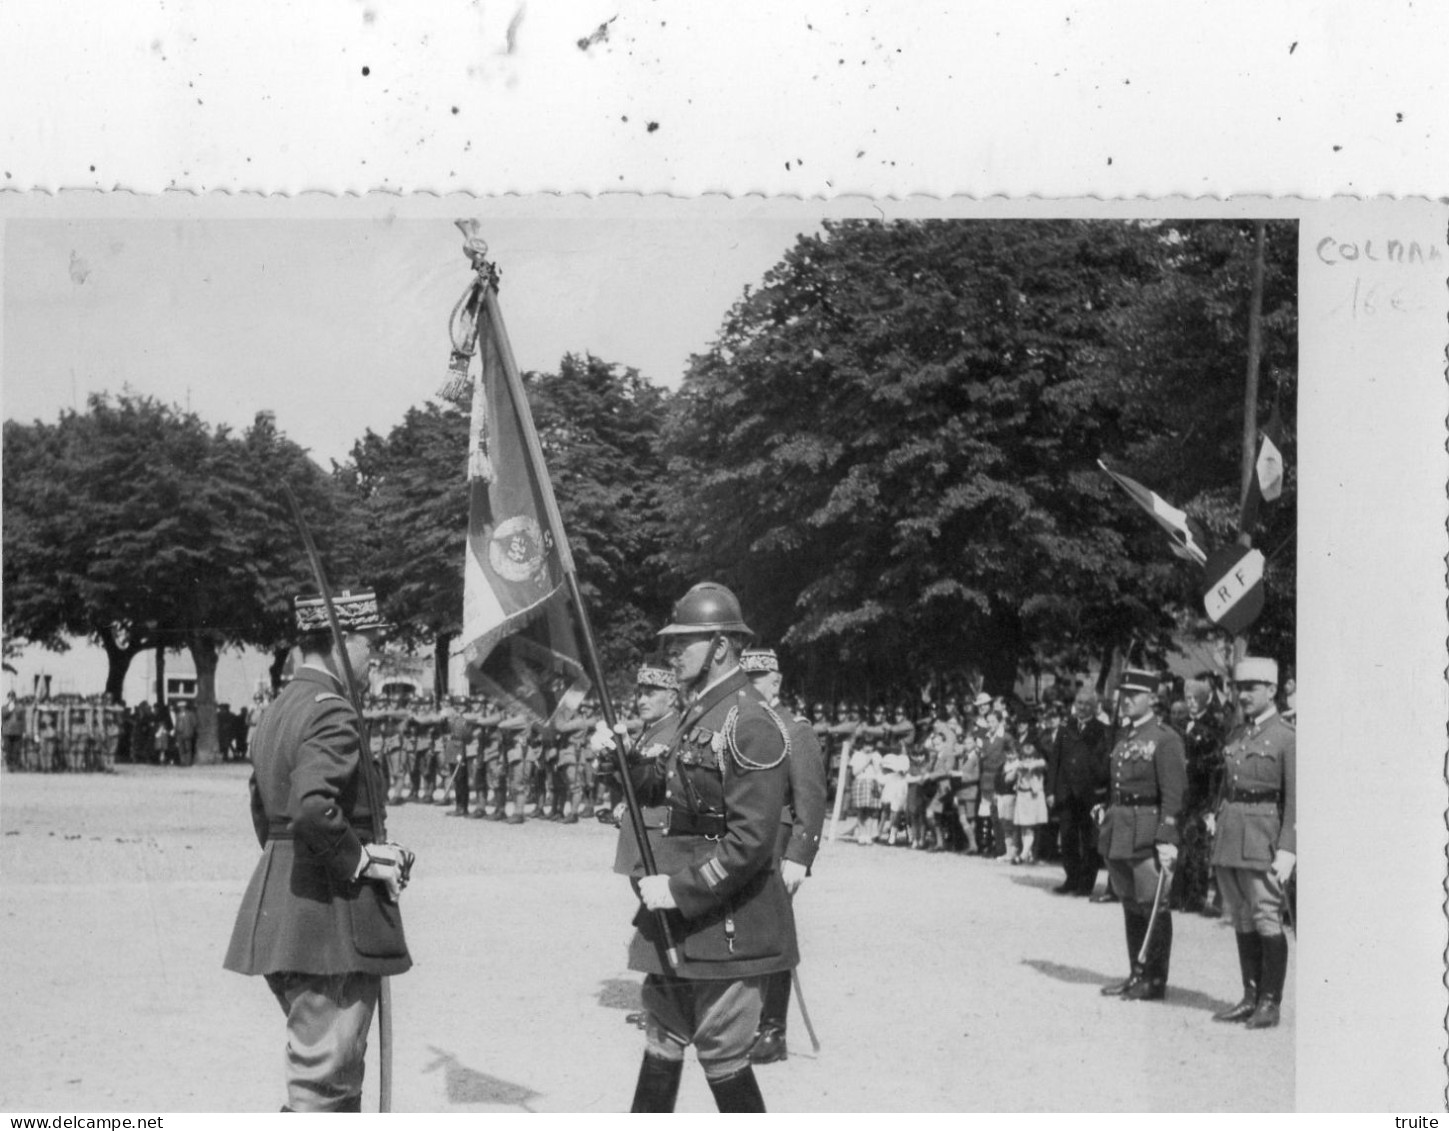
(707, 607)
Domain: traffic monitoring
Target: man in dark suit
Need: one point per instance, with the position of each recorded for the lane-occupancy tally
(1076, 779)
(320, 919)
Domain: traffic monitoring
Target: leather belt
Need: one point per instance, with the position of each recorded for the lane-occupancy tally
(1252, 796)
(279, 828)
(1137, 800)
(681, 822)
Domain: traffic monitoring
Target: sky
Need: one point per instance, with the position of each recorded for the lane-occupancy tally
(340, 325)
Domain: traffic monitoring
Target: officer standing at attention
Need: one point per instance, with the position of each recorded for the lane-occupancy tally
(1139, 833)
(799, 838)
(656, 698)
(320, 918)
(1256, 840)
(723, 779)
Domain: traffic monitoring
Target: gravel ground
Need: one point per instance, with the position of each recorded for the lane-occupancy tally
(935, 982)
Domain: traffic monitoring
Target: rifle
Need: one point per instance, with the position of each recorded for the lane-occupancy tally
(369, 784)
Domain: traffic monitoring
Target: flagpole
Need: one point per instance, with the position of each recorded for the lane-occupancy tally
(566, 562)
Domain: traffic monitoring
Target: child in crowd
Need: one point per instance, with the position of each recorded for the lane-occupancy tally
(865, 792)
(1031, 806)
(1006, 806)
(893, 793)
(968, 792)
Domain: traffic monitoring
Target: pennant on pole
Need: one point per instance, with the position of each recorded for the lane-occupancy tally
(518, 635)
(1189, 539)
(1266, 484)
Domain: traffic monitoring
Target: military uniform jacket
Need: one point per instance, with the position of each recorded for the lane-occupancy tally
(803, 817)
(651, 744)
(1148, 779)
(302, 911)
(1258, 813)
(726, 762)
(459, 730)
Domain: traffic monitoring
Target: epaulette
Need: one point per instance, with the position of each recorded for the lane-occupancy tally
(726, 738)
(323, 696)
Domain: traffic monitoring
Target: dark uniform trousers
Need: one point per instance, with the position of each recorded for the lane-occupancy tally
(722, 783)
(801, 824)
(1148, 777)
(322, 939)
(1077, 780)
(1257, 816)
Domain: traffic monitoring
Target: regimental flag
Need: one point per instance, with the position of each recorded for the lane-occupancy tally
(518, 634)
(1189, 538)
(1266, 484)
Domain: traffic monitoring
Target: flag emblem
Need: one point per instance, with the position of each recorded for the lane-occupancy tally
(518, 549)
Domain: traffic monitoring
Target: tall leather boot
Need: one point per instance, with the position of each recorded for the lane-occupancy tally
(1250, 962)
(658, 1085)
(769, 1043)
(1153, 984)
(738, 1091)
(1135, 928)
(1270, 989)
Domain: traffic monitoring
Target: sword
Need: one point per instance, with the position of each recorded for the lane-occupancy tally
(369, 784)
(1162, 874)
(804, 1013)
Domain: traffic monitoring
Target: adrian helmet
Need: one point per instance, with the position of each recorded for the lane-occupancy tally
(707, 607)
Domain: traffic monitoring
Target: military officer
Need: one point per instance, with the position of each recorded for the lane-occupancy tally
(723, 779)
(568, 768)
(319, 918)
(656, 698)
(1139, 832)
(1255, 840)
(514, 731)
(801, 822)
(458, 726)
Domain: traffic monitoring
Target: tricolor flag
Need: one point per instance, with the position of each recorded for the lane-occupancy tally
(518, 634)
(1266, 484)
(1189, 539)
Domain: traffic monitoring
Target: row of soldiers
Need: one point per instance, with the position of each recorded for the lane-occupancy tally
(67, 734)
(481, 761)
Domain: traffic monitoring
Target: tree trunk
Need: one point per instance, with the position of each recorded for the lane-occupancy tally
(160, 676)
(274, 669)
(118, 662)
(1001, 650)
(204, 655)
(442, 644)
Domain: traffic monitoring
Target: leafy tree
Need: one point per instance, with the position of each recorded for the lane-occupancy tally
(890, 451)
(410, 494)
(1178, 376)
(599, 427)
(135, 524)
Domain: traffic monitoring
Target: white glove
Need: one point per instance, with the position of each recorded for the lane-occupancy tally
(1167, 856)
(389, 864)
(1283, 862)
(1099, 814)
(793, 873)
(654, 891)
(601, 738)
(1210, 822)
